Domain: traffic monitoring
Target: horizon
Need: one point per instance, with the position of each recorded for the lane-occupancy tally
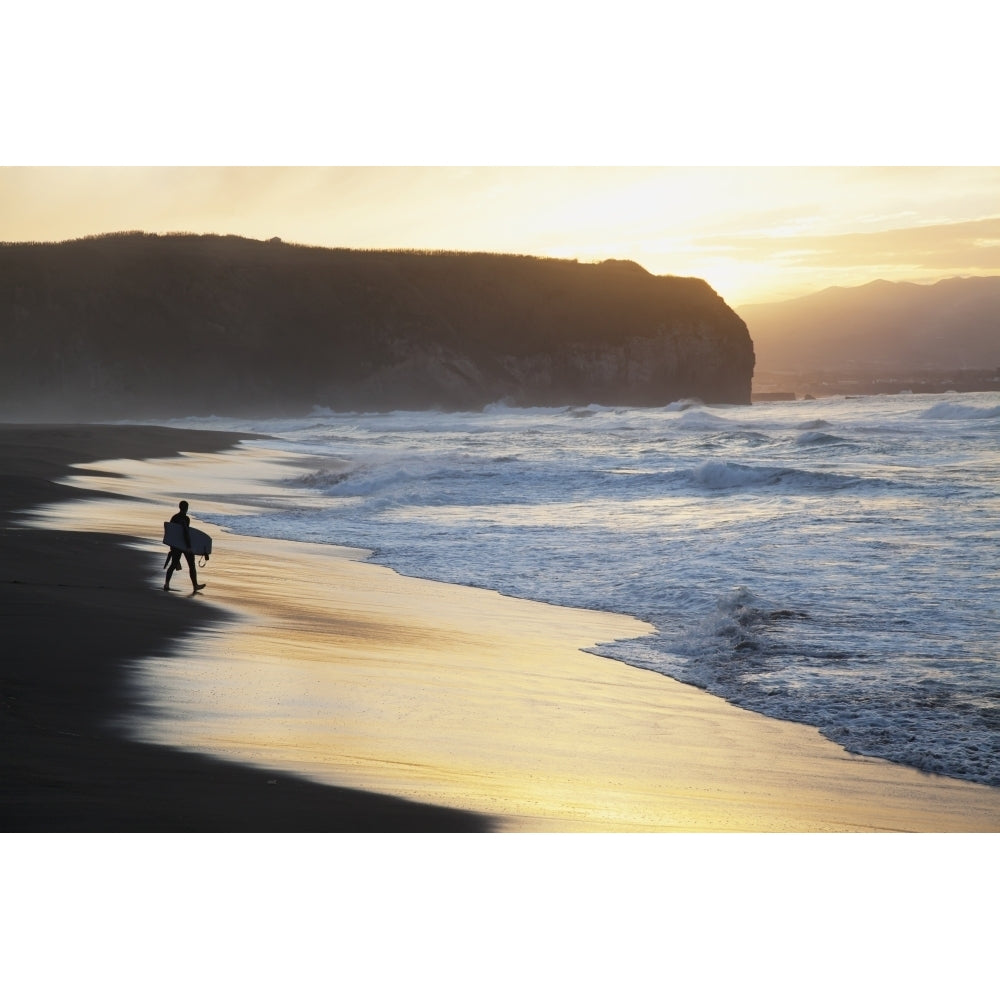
(926, 282)
(755, 234)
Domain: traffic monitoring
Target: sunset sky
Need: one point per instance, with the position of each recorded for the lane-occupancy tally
(754, 233)
(721, 84)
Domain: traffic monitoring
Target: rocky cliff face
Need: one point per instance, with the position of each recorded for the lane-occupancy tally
(139, 326)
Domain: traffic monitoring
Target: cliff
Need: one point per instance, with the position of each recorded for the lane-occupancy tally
(141, 326)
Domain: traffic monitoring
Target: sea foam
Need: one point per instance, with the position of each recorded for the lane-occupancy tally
(833, 561)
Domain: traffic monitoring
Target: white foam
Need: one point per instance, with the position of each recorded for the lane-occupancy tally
(961, 411)
(808, 582)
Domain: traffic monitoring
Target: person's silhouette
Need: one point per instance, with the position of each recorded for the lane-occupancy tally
(174, 555)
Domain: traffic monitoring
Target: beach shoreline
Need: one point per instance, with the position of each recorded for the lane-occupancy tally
(77, 607)
(452, 708)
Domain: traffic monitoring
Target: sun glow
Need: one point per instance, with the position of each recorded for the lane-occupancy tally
(754, 233)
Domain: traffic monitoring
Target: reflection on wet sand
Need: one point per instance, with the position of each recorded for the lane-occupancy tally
(351, 674)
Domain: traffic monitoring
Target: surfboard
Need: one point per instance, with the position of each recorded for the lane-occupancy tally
(173, 535)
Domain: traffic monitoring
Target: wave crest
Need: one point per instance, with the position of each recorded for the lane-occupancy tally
(961, 411)
(717, 474)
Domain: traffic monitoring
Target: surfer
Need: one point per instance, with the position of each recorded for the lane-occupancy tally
(174, 555)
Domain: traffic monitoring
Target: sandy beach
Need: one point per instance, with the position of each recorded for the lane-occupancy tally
(79, 607)
(308, 690)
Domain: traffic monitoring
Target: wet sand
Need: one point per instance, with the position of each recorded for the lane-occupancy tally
(303, 671)
(78, 608)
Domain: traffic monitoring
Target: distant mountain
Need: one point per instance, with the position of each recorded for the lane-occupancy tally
(881, 328)
(143, 326)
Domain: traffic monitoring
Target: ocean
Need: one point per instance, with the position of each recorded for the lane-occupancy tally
(834, 562)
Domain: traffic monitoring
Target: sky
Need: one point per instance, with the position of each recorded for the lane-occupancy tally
(754, 233)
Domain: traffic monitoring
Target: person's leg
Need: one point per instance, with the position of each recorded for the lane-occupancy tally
(192, 570)
(173, 562)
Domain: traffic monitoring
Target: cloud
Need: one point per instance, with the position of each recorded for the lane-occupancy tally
(972, 244)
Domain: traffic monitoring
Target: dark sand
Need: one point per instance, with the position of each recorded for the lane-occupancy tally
(76, 608)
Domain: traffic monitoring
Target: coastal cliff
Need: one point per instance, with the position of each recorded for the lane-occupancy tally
(142, 326)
